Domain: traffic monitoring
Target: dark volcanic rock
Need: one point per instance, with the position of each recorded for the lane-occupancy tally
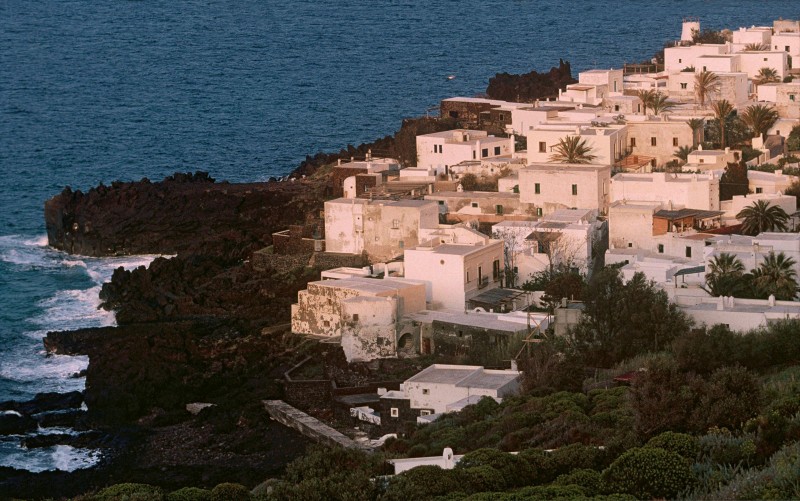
(75, 419)
(186, 213)
(12, 423)
(44, 402)
(530, 86)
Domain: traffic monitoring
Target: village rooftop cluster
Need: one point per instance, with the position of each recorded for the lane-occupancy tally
(611, 171)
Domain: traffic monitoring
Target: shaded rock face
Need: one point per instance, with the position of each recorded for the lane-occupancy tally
(165, 365)
(186, 213)
(530, 86)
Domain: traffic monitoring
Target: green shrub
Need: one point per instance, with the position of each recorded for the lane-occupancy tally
(679, 443)
(649, 473)
(230, 492)
(588, 480)
(130, 492)
(576, 456)
(483, 479)
(433, 481)
(780, 479)
(189, 494)
(721, 447)
(515, 471)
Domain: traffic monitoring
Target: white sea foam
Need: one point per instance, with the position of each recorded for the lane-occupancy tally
(59, 457)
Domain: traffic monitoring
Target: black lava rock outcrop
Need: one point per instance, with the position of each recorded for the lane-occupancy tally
(530, 86)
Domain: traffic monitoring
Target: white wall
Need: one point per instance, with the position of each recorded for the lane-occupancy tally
(556, 186)
(694, 191)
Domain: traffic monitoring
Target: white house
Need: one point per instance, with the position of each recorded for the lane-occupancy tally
(552, 186)
(606, 139)
(737, 314)
(678, 58)
(718, 63)
(381, 228)
(752, 62)
(755, 35)
(710, 160)
(437, 151)
(565, 237)
(363, 308)
(697, 191)
(769, 182)
(788, 42)
(454, 273)
(659, 138)
(735, 205)
(442, 388)
(751, 251)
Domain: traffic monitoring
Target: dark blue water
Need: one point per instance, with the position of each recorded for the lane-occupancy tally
(94, 91)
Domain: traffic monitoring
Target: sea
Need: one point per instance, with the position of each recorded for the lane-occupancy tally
(97, 91)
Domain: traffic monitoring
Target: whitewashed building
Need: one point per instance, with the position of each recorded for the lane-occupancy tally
(438, 151)
(552, 186)
(696, 191)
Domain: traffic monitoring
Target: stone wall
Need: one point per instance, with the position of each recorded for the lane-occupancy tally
(266, 260)
(330, 260)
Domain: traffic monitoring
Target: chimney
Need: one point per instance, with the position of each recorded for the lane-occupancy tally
(771, 300)
(514, 365)
(338, 161)
(727, 149)
(699, 147)
(721, 303)
(511, 141)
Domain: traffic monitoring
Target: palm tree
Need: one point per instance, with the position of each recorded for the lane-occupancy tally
(761, 216)
(721, 109)
(766, 75)
(646, 96)
(572, 150)
(683, 153)
(706, 84)
(760, 118)
(659, 103)
(725, 275)
(756, 47)
(697, 125)
(776, 276)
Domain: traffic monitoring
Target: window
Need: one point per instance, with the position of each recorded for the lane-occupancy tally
(786, 48)
(574, 189)
(498, 210)
(660, 248)
(701, 160)
(688, 251)
(496, 269)
(684, 85)
(473, 155)
(496, 150)
(475, 204)
(537, 189)
(326, 323)
(630, 244)
(679, 61)
(674, 141)
(765, 59)
(653, 141)
(401, 244)
(395, 412)
(424, 412)
(441, 202)
(395, 224)
(484, 152)
(453, 114)
(538, 211)
(705, 68)
(616, 106)
(426, 391)
(633, 142)
(759, 190)
(355, 317)
(467, 276)
(791, 97)
(542, 147)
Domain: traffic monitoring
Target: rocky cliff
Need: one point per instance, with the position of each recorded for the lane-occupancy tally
(184, 214)
(530, 86)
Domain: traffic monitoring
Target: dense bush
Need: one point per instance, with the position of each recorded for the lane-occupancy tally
(680, 443)
(588, 480)
(515, 471)
(230, 492)
(130, 492)
(722, 447)
(649, 473)
(780, 479)
(189, 494)
(423, 482)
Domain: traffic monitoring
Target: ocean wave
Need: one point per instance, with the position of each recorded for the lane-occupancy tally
(53, 373)
(59, 457)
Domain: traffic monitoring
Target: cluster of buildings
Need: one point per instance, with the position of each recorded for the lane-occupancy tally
(447, 263)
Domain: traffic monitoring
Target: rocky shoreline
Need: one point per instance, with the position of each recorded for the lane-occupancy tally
(207, 325)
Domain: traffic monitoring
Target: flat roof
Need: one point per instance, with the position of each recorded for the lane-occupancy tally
(453, 249)
(492, 321)
(580, 87)
(471, 194)
(682, 213)
(464, 376)
(369, 285)
(561, 167)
